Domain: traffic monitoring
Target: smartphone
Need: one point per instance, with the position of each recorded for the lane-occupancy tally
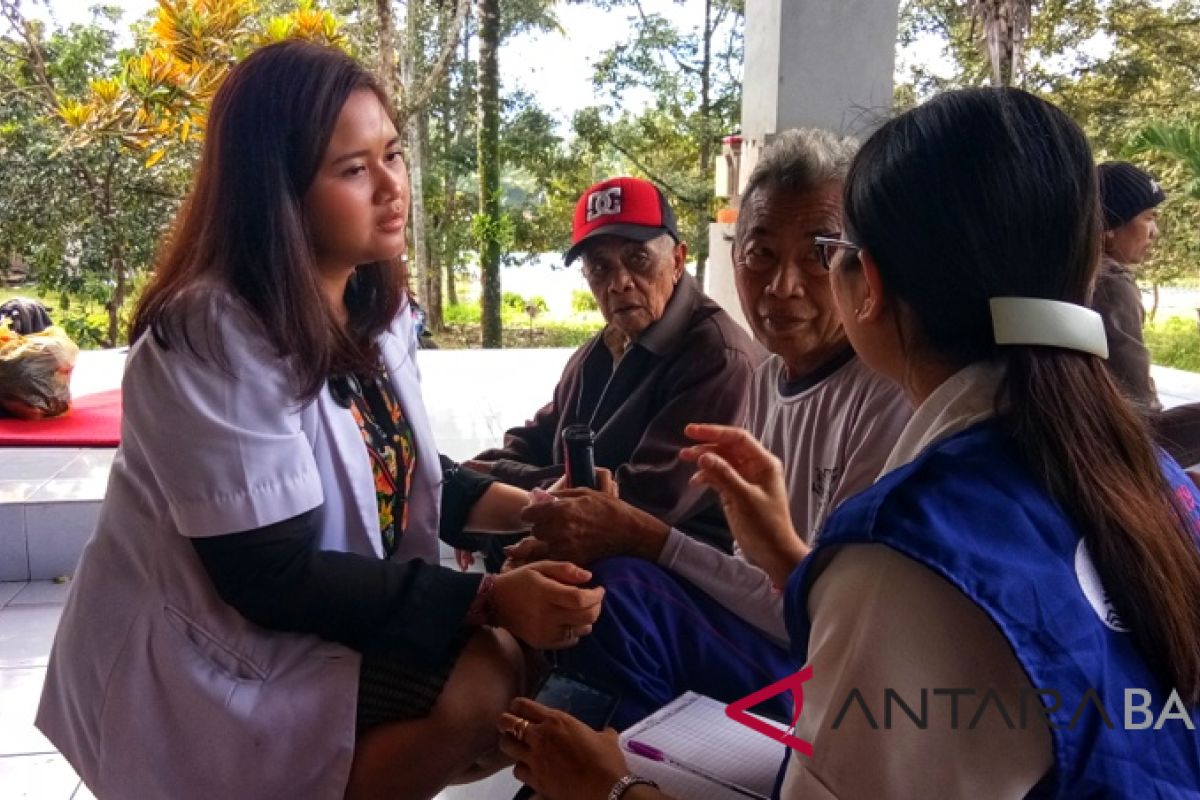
(591, 705)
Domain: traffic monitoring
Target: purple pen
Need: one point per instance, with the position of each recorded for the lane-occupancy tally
(646, 751)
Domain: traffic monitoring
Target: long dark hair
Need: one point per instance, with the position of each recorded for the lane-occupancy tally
(992, 192)
(243, 226)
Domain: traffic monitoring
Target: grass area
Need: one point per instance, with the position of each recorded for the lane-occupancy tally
(9, 292)
(87, 325)
(86, 322)
(1174, 342)
(463, 329)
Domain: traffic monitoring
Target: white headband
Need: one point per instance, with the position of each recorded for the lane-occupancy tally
(1053, 323)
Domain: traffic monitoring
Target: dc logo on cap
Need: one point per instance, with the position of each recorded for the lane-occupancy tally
(604, 203)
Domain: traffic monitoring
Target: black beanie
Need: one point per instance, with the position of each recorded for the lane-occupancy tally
(1125, 192)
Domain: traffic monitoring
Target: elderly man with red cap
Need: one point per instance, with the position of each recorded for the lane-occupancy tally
(667, 356)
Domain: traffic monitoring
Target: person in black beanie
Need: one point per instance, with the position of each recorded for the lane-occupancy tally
(1130, 199)
(25, 315)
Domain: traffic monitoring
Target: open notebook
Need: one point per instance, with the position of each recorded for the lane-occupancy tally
(701, 754)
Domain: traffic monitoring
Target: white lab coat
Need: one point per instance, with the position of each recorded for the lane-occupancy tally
(158, 689)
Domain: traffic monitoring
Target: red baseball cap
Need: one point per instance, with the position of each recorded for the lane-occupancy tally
(628, 207)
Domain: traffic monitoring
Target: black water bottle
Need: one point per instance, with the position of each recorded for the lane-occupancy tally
(577, 454)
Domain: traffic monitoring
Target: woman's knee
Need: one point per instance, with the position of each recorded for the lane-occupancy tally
(488, 674)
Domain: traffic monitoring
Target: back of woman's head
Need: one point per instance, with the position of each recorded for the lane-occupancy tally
(973, 195)
(992, 193)
(243, 227)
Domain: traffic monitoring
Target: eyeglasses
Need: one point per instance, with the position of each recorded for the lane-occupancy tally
(815, 262)
(827, 247)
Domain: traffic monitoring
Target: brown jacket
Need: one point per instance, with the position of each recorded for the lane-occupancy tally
(693, 365)
(1117, 299)
(1119, 302)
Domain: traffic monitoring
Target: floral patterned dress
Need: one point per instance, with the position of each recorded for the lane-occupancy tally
(389, 441)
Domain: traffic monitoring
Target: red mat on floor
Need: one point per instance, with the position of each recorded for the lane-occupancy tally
(93, 421)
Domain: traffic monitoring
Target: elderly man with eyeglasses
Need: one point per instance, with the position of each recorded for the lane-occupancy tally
(678, 615)
(668, 356)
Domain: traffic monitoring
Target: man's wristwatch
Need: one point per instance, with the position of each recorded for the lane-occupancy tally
(624, 784)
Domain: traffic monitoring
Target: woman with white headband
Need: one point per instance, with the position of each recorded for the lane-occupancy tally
(1013, 609)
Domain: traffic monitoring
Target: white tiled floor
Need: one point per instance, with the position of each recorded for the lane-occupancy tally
(29, 765)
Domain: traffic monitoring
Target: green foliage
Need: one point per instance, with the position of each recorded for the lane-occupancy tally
(1125, 70)
(692, 73)
(97, 144)
(494, 231)
(568, 334)
(86, 218)
(515, 302)
(1174, 342)
(1180, 141)
(464, 329)
(512, 311)
(86, 328)
(462, 313)
(583, 300)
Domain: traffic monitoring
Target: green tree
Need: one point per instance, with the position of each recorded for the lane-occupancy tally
(539, 176)
(693, 77)
(1121, 68)
(86, 218)
(489, 229)
(117, 133)
(1176, 254)
(1180, 141)
(412, 74)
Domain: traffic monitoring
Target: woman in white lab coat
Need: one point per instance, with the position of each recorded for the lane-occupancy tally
(261, 612)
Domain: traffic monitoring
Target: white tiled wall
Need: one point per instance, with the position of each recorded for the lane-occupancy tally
(55, 533)
(14, 557)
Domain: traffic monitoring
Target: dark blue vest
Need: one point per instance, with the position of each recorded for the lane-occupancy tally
(968, 509)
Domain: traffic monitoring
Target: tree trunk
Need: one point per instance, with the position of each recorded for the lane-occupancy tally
(432, 284)
(706, 147)
(387, 49)
(451, 206)
(489, 170)
(423, 278)
(451, 285)
(113, 306)
(456, 117)
(418, 95)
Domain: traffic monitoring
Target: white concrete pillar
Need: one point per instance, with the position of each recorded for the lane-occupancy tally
(718, 275)
(809, 63)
